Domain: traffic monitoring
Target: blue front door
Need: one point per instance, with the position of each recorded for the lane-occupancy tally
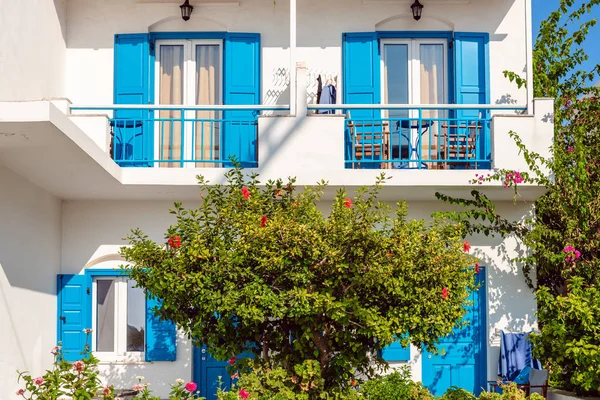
(208, 372)
(464, 362)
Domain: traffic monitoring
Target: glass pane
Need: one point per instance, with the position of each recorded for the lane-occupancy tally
(208, 69)
(136, 317)
(396, 77)
(170, 92)
(432, 75)
(105, 315)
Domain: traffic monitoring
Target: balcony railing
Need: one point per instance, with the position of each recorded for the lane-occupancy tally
(417, 136)
(183, 136)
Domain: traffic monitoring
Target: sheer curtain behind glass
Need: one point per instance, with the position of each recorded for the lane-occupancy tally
(432, 89)
(170, 92)
(105, 315)
(208, 129)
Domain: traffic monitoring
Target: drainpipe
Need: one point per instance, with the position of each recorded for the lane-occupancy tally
(293, 57)
(529, 54)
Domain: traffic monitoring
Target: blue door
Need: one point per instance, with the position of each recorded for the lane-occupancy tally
(208, 372)
(464, 362)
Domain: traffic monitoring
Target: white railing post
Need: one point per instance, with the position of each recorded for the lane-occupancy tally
(301, 93)
(293, 84)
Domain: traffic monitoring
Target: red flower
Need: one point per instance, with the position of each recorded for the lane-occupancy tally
(175, 241)
(279, 192)
(353, 382)
(20, 392)
(191, 387)
(466, 246)
(232, 360)
(243, 394)
(477, 269)
(347, 203)
(444, 293)
(246, 193)
(263, 221)
(294, 204)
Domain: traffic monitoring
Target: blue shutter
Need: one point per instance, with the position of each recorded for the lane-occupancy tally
(395, 352)
(133, 139)
(241, 87)
(362, 82)
(74, 314)
(471, 84)
(161, 336)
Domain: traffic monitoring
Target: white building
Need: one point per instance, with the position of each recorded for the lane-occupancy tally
(77, 172)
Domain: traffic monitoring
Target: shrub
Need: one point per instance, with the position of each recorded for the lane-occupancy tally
(257, 265)
(397, 385)
(456, 393)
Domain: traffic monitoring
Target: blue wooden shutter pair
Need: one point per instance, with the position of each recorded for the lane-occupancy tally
(134, 132)
(133, 140)
(75, 315)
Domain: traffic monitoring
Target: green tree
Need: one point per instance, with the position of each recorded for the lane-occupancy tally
(564, 236)
(262, 270)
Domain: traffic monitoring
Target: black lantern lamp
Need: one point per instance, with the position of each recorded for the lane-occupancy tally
(417, 10)
(186, 10)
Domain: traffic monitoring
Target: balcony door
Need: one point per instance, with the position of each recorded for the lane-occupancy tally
(188, 72)
(414, 71)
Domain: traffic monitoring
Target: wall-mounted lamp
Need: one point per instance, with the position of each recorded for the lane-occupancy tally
(186, 10)
(417, 10)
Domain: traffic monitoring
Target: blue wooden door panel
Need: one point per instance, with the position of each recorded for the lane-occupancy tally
(208, 372)
(161, 336)
(472, 83)
(133, 132)
(362, 85)
(462, 358)
(74, 314)
(241, 87)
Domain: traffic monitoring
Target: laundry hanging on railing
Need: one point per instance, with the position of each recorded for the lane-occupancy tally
(326, 94)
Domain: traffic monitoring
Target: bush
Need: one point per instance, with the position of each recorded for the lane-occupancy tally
(397, 385)
(569, 339)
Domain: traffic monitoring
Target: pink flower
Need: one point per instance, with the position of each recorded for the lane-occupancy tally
(138, 387)
(235, 376)
(572, 254)
(55, 350)
(175, 242)
(347, 202)
(246, 193)
(477, 269)
(444, 293)
(38, 381)
(243, 394)
(106, 391)
(191, 387)
(88, 331)
(263, 221)
(466, 247)
(20, 392)
(570, 150)
(78, 366)
(232, 360)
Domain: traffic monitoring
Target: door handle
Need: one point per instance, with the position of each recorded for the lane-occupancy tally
(203, 351)
(63, 318)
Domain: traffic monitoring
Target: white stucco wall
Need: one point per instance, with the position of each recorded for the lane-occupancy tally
(93, 24)
(30, 232)
(33, 49)
(93, 232)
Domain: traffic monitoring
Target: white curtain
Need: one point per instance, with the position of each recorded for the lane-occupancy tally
(170, 92)
(207, 130)
(432, 92)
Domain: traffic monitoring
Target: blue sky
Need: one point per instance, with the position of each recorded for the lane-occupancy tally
(543, 8)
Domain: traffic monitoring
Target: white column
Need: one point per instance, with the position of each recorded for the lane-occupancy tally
(529, 55)
(293, 57)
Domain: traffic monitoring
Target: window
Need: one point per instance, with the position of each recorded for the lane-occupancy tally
(118, 319)
(188, 72)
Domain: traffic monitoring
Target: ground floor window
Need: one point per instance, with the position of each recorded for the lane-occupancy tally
(118, 319)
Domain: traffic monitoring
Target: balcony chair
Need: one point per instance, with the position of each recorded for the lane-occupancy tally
(369, 142)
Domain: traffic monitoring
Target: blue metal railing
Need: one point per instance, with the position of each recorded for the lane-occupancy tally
(417, 136)
(180, 136)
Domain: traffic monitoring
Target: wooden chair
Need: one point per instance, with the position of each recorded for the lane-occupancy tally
(459, 142)
(370, 141)
(538, 383)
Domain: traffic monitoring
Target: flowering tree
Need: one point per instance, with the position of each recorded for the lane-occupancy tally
(262, 270)
(564, 237)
